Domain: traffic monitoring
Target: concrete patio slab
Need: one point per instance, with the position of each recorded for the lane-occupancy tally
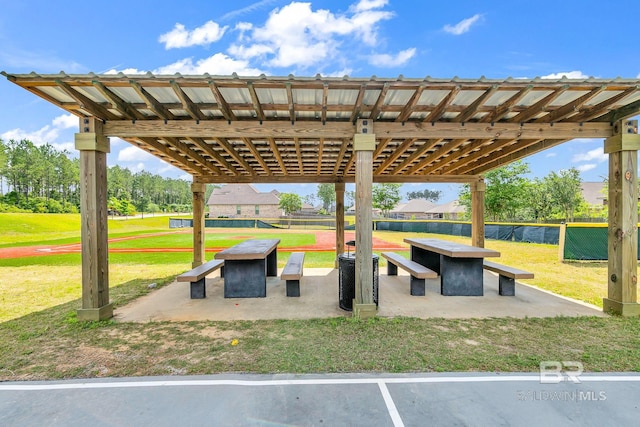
(319, 299)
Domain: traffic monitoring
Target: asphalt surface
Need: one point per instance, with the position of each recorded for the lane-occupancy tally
(479, 399)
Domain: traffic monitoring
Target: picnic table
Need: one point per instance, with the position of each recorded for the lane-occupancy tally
(460, 266)
(247, 265)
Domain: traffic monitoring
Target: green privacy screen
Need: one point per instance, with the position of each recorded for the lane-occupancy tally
(587, 242)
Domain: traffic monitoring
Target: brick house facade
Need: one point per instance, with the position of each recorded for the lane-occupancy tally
(243, 201)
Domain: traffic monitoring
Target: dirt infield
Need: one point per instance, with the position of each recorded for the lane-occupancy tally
(325, 242)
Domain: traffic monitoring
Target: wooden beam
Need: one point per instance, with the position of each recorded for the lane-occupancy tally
(479, 148)
(157, 146)
(340, 130)
(539, 106)
(332, 178)
(291, 104)
(343, 150)
(477, 213)
(441, 152)
(435, 115)
(570, 108)
(517, 153)
(224, 129)
(595, 111)
(459, 154)
(506, 107)
(152, 104)
(419, 152)
(320, 150)
(622, 295)
(339, 188)
(448, 130)
(394, 155)
(276, 154)
(198, 191)
(187, 103)
(472, 109)
(127, 109)
(256, 154)
(373, 114)
(409, 106)
(94, 232)
(357, 106)
(227, 113)
(86, 103)
(202, 144)
(256, 101)
(195, 157)
(236, 156)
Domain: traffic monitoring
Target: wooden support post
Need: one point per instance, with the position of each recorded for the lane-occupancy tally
(198, 190)
(477, 213)
(93, 147)
(623, 220)
(339, 186)
(364, 143)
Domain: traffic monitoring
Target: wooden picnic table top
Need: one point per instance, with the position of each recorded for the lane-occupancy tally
(249, 249)
(452, 249)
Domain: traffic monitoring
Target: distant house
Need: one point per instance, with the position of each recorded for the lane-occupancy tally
(451, 211)
(413, 209)
(593, 193)
(243, 201)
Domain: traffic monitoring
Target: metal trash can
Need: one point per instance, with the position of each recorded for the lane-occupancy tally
(347, 280)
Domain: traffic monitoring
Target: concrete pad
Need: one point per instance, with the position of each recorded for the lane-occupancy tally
(319, 299)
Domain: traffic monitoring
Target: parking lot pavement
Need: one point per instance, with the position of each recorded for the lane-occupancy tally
(331, 400)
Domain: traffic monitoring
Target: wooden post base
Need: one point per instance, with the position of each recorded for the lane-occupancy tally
(625, 309)
(364, 311)
(95, 314)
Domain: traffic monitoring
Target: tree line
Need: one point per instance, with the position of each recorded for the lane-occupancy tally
(511, 196)
(42, 179)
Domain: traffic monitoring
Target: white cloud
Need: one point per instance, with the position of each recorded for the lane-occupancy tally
(462, 26)
(587, 167)
(66, 121)
(48, 134)
(201, 36)
(248, 9)
(549, 155)
(126, 71)
(364, 5)
(296, 35)
(133, 154)
(569, 75)
(386, 60)
(596, 154)
(216, 64)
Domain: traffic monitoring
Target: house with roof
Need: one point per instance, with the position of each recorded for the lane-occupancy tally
(413, 209)
(452, 210)
(594, 193)
(243, 201)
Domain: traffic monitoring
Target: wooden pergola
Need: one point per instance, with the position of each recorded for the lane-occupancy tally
(231, 129)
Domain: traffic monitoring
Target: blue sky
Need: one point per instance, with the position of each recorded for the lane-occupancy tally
(386, 38)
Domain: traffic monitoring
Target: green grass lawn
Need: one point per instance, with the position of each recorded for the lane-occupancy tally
(40, 336)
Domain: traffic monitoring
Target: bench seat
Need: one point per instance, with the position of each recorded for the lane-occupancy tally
(417, 271)
(197, 276)
(292, 273)
(507, 277)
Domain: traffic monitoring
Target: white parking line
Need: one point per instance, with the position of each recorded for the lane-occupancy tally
(391, 407)
(318, 381)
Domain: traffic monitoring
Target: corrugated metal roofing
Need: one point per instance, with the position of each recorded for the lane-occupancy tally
(299, 129)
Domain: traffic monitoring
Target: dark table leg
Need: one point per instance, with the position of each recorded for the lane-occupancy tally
(429, 259)
(245, 278)
(461, 276)
(272, 263)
